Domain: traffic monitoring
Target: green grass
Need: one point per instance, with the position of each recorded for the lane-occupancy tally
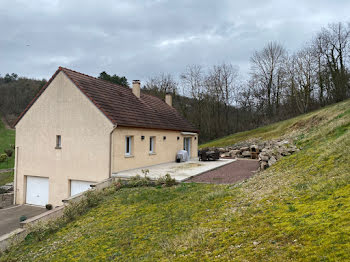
(7, 138)
(297, 210)
(6, 178)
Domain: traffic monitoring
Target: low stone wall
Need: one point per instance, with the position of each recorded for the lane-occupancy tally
(12, 238)
(267, 152)
(48, 215)
(6, 200)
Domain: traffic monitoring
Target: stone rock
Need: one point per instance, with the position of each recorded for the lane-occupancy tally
(245, 148)
(264, 158)
(234, 153)
(292, 149)
(272, 161)
(246, 154)
(278, 156)
(263, 165)
(285, 153)
(222, 150)
(254, 148)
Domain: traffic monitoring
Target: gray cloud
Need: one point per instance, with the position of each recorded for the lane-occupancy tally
(142, 38)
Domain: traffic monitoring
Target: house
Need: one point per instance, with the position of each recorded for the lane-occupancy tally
(80, 130)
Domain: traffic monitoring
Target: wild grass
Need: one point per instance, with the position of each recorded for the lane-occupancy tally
(297, 210)
(284, 128)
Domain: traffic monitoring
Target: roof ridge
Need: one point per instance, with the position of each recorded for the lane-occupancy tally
(121, 106)
(96, 78)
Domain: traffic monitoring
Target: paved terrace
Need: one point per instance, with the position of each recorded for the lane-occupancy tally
(179, 171)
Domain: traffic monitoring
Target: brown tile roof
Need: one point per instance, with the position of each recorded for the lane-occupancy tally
(121, 106)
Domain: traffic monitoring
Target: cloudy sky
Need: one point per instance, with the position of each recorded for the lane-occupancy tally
(140, 39)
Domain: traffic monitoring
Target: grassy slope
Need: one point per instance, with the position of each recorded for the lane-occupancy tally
(272, 131)
(7, 137)
(297, 210)
(6, 178)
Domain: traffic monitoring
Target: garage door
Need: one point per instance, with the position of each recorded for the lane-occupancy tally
(77, 186)
(37, 190)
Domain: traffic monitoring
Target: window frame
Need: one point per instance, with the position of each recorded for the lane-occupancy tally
(58, 142)
(128, 145)
(152, 145)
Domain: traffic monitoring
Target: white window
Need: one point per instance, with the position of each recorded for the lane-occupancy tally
(58, 141)
(128, 145)
(151, 145)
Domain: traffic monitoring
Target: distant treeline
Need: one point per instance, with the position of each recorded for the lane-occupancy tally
(280, 85)
(16, 93)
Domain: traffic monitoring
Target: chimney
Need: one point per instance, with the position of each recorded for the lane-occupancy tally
(169, 99)
(136, 88)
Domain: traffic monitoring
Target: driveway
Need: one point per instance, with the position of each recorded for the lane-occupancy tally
(228, 174)
(9, 217)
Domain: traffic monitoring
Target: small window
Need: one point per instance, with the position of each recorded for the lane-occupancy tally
(151, 145)
(58, 141)
(128, 141)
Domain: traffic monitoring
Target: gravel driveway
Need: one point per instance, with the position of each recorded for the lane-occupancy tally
(230, 173)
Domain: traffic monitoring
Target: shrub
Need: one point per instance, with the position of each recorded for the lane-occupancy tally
(48, 206)
(93, 198)
(3, 158)
(166, 181)
(8, 152)
(169, 181)
(138, 181)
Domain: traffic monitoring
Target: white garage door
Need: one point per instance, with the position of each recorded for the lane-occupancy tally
(77, 186)
(37, 190)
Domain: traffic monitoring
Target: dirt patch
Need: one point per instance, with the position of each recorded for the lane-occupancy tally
(307, 123)
(228, 174)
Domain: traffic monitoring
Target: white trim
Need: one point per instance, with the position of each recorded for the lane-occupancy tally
(151, 144)
(128, 143)
(188, 134)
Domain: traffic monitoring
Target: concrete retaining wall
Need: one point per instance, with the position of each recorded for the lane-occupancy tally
(44, 217)
(98, 186)
(6, 200)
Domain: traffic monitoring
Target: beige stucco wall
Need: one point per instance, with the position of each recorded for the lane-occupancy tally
(165, 150)
(62, 110)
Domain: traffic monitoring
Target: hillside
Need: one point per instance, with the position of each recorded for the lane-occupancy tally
(297, 210)
(7, 138)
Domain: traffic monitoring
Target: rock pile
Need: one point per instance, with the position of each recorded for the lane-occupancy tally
(267, 152)
(7, 188)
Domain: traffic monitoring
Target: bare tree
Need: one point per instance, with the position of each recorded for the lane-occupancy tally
(333, 46)
(305, 78)
(266, 69)
(163, 83)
